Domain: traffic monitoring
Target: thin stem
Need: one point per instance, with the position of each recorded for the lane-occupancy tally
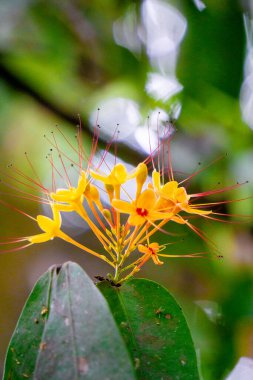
(67, 238)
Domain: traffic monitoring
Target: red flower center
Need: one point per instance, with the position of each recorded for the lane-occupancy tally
(151, 251)
(141, 211)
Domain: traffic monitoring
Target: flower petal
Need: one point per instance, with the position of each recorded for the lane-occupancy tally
(61, 195)
(156, 260)
(164, 205)
(169, 190)
(82, 184)
(143, 249)
(156, 180)
(146, 200)
(98, 176)
(65, 208)
(40, 238)
(154, 246)
(46, 224)
(181, 195)
(56, 216)
(156, 215)
(122, 206)
(118, 174)
(191, 210)
(136, 220)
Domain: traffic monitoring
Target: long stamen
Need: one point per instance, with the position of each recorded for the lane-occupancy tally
(62, 162)
(16, 209)
(27, 195)
(150, 148)
(26, 184)
(217, 191)
(16, 249)
(202, 169)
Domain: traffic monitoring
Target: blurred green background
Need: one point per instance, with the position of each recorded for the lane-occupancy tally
(62, 58)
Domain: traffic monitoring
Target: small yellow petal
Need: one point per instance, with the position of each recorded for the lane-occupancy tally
(181, 195)
(146, 200)
(136, 220)
(169, 189)
(65, 208)
(82, 184)
(156, 215)
(56, 216)
(118, 174)
(50, 226)
(156, 180)
(46, 224)
(40, 238)
(156, 260)
(61, 195)
(155, 246)
(122, 206)
(98, 176)
(143, 249)
(164, 205)
(196, 211)
(61, 192)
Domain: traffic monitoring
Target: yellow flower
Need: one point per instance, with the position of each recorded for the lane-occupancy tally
(142, 209)
(174, 198)
(150, 251)
(117, 177)
(153, 251)
(73, 196)
(51, 227)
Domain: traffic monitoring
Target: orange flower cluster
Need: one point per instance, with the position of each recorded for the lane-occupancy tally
(124, 226)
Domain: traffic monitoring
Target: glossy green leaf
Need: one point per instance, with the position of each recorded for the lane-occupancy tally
(154, 328)
(66, 331)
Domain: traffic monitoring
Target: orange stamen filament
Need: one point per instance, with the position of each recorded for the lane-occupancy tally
(68, 239)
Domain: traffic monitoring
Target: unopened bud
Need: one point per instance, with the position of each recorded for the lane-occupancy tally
(141, 176)
(107, 214)
(110, 191)
(142, 173)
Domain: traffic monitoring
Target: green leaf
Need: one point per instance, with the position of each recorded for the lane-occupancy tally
(24, 346)
(66, 331)
(154, 328)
